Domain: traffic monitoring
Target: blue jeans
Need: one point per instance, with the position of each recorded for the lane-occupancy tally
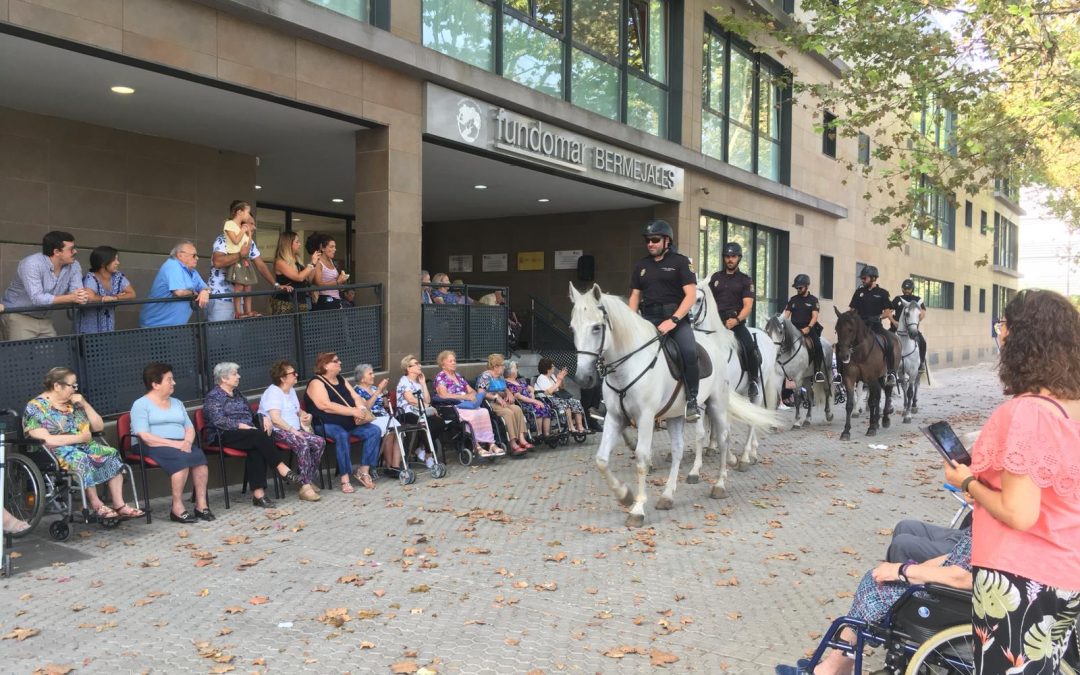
(367, 434)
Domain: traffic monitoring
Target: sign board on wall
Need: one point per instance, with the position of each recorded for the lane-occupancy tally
(493, 262)
(567, 260)
(461, 263)
(530, 261)
(471, 122)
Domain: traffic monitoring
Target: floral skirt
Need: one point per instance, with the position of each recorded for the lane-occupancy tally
(94, 461)
(1020, 625)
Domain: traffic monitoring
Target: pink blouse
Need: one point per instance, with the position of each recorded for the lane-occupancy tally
(1026, 436)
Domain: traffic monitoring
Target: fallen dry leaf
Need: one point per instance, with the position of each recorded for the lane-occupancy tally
(21, 634)
(404, 667)
(54, 669)
(367, 645)
(660, 658)
(234, 610)
(259, 600)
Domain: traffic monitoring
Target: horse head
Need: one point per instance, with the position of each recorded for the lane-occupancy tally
(909, 318)
(775, 329)
(849, 330)
(590, 325)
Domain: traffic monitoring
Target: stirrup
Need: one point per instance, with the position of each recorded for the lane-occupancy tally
(819, 377)
(693, 414)
(890, 378)
(752, 390)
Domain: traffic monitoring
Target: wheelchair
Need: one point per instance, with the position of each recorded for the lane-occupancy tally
(409, 436)
(559, 423)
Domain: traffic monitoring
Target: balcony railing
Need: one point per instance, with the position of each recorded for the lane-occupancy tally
(471, 330)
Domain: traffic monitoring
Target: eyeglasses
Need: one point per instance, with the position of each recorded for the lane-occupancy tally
(291, 372)
(731, 256)
(998, 325)
(335, 360)
(74, 385)
(193, 254)
(654, 240)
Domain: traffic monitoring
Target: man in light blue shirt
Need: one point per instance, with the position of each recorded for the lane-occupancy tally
(52, 277)
(176, 278)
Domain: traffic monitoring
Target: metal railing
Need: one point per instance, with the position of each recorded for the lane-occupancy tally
(109, 365)
(471, 330)
(551, 335)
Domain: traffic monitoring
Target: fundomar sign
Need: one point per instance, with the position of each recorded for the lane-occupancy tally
(468, 121)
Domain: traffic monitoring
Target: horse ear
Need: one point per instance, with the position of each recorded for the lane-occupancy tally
(574, 295)
(837, 310)
(597, 293)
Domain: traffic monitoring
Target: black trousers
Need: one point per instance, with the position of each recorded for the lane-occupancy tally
(683, 335)
(261, 454)
(435, 424)
(921, 341)
(751, 362)
(593, 396)
(875, 326)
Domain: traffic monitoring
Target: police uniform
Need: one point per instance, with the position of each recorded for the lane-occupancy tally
(897, 308)
(729, 290)
(661, 285)
(802, 308)
(869, 303)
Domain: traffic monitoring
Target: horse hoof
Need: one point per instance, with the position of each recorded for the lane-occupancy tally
(845, 436)
(742, 466)
(692, 479)
(664, 504)
(718, 492)
(871, 432)
(856, 414)
(886, 422)
(828, 417)
(731, 460)
(628, 499)
(915, 409)
(796, 427)
(635, 520)
(907, 419)
(668, 460)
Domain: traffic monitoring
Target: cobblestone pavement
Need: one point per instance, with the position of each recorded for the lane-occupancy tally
(522, 566)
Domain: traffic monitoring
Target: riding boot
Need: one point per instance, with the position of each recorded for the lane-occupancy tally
(693, 413)
(922, 354)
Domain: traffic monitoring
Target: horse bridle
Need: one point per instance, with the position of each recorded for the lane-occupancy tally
(780, 349)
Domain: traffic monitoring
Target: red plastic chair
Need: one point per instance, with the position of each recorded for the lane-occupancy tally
(132, 457)
(211, 444)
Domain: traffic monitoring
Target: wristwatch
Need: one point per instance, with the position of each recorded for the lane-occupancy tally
(675, 318)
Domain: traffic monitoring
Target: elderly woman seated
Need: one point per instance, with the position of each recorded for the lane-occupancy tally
(491, 382)
(292, 426)
(879, 590)
(374, 396)
(228, 413)
(65, 422)
(525, 397)
(554, 385)
(441, 294)
(344, 417)
(411, 404)
(452, 387)
(167, 436)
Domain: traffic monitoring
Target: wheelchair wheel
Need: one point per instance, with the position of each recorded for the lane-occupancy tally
(438, 470)
(580, 438)
(465, 456)
(406, 477)
(949, 652)
(564, 438)
(59, 530)
(552, 441)
(24, 489)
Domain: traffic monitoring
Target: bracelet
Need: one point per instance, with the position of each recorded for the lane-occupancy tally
(902, 572)
(966, 483)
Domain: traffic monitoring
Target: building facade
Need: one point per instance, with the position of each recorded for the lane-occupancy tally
(495, 140)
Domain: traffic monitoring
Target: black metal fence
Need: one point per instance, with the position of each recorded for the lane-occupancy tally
(109, 365)
(471, 331)
(551, 336)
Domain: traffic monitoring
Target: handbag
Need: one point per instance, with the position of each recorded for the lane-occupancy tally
(366, 416)
(472, 404)
(563, 394)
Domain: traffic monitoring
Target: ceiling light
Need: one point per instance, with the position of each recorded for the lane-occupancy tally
(543, 200)
(120, 89)
(337, 200)
(258, 187)
(480, 187)
(297, 220)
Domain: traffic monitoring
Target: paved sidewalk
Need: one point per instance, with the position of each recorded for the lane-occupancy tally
(522, 566)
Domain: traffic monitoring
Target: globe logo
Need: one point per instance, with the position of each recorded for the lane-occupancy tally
(469, 120)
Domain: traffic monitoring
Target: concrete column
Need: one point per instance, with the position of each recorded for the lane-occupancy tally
(386, 247)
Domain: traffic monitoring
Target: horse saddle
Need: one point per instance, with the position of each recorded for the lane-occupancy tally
(674, 359)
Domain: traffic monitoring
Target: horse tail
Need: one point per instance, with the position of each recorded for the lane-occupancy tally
(743, 410)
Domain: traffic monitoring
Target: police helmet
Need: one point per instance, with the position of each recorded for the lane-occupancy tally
(732, 248)
(801, 280)
(869, 271)
(908, 285)
(660, 228)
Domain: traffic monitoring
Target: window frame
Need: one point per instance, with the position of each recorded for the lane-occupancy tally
(967, 298)
(826, 272)
(864, 149)
(749, 261)
(969, 214)
(937, 201)
(935, 293)
(828, 126)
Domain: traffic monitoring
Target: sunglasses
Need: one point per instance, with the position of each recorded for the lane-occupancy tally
(654, 240)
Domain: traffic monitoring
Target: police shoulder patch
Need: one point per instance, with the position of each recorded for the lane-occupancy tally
(642, 272)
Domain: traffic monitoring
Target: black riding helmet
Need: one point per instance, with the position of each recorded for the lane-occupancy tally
(733, 248)
(658, 228)
(908, 285)
(869, 271)
(801, 280)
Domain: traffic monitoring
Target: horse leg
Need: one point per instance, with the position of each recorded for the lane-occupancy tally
(909, 396)
(886, 409)
(808, 396)
(797, 400)
(872, 405)
(676, 429)
(603, 455)
(845, 435)
(636, 518)
(746, 459)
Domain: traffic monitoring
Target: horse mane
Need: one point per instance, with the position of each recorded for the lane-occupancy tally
(712, 320)
(628, 329)
(852, 316)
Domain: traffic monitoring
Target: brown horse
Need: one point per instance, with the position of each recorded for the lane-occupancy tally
(861, 358)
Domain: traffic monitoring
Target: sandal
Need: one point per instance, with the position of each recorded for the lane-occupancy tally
(347, 488)
(497, 450)
(366, 480)
(15, 525)
(484, 452)
(128, 512)
(105, 513)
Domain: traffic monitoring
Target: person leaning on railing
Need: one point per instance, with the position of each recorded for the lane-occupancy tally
(104, 283)
(222, 309)
(52, 277)
(178, 278)
(290, 271)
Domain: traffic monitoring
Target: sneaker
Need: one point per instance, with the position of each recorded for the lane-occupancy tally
(692, 412)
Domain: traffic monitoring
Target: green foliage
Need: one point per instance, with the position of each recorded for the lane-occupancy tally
(958, 92)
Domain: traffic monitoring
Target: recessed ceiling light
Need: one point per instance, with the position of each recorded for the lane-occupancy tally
(337, 200)
(543, 200)
(120, 89)
(480, 187)
(297, 220)
(258, 187)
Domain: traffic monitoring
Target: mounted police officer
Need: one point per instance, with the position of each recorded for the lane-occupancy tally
(734, 294)
(872, 303)
(802, 310)
(907, 294)
(664, 287)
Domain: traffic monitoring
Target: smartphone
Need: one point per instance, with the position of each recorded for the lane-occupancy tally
(943, 438)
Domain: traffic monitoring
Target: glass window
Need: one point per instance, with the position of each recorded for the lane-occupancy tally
(712, 134)
(740, 147)
(825, 284)
(547, 13)
(864, 149)
(595, 85)
(713, 75)
(941, 214)
(935, 294)
(765, 252)
(646, 106)
(532, 57)
(828, 134)
(741, 109)
(646, 38)
(357, 9)
(596, 26)
(462, 29)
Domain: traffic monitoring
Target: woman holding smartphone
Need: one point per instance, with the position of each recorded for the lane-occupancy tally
(1024, 484)
(326, 274)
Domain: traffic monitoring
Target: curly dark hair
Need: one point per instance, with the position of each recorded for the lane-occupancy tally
(1040, 348)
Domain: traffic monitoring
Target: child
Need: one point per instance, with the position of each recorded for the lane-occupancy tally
(239, 229)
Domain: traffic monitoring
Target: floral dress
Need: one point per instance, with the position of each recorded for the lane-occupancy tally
(518, 388)
(377, 405)
(94, 461)
(478, 419)
(103, 319)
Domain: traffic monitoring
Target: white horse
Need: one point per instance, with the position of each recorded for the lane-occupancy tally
(707, 320)
(908, 370)
(626, 351)
(795, 362)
